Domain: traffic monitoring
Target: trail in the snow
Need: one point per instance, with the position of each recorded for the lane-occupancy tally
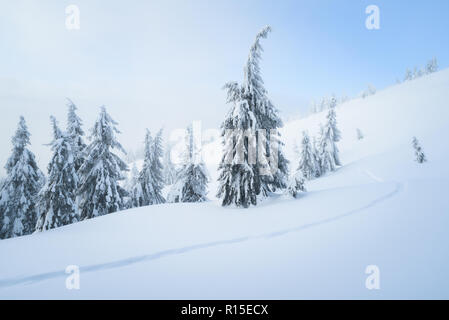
(170, 252)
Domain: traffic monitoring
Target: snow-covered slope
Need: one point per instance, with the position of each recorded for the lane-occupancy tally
(381, 208)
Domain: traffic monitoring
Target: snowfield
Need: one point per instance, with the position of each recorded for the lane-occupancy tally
(381, 208)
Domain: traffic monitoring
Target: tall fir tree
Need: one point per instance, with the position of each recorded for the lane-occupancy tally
(238, 182)
(296, 185)
(316, 155)
(57, 200)
(192, 178)
(151, 179)
(75, 133)
(360, 135)
(99, 189)
(18, 196)
(329, 136)
(267, 118)
(241, 181)
(307, 164)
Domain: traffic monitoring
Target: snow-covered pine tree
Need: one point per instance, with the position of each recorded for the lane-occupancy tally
(325, 160)
(174, 195)
(99, 190)
(192, 178)
(18, 211)
(280, 174)
(296, 149)
(360, 135)
(333, 101)
(296, 185)
(344, 99)
(371, 90)
(241, 182)
(328, 150)
(432, 66)
(419, 153)
(267, 118)
(408, 75)
(151, 179)
(238, 182)
(158, 168)
(416, 73)
(307, 165)
(133, 188)
(313, 107)
(316, 155)
(57, 199)
(75, 133)
(169, 171)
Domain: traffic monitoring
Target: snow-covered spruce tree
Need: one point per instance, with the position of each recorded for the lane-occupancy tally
(132, 188)
(296, 149)
(192, 178)
(316, 155)
(195, 179)
(325, 159)
(432, 66)
(157, 168)
(324, 104)
(360, 135)
(175, 193)
(135, 189)
(151, 179)
(238, 181)
(169, 171)
(371, 90)
(296, 185)
(313, 108)
(415, 73)
(57, 205)
(18, 211)
(408, 75)
(101, 171)
(307, 164)
(419, 153)
(418, 73)
(241, 182)
(328, 151)
(75, 133)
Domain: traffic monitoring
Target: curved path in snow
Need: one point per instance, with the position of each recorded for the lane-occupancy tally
(158, 255)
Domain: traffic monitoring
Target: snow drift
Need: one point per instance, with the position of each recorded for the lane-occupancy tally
(381, 208)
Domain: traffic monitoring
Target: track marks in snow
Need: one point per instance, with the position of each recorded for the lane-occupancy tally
(397, 189)
(158, 255)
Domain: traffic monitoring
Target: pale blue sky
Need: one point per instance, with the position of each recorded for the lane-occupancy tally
(155, 63)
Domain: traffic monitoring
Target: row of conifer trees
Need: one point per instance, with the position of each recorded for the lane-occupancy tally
(87, 180)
